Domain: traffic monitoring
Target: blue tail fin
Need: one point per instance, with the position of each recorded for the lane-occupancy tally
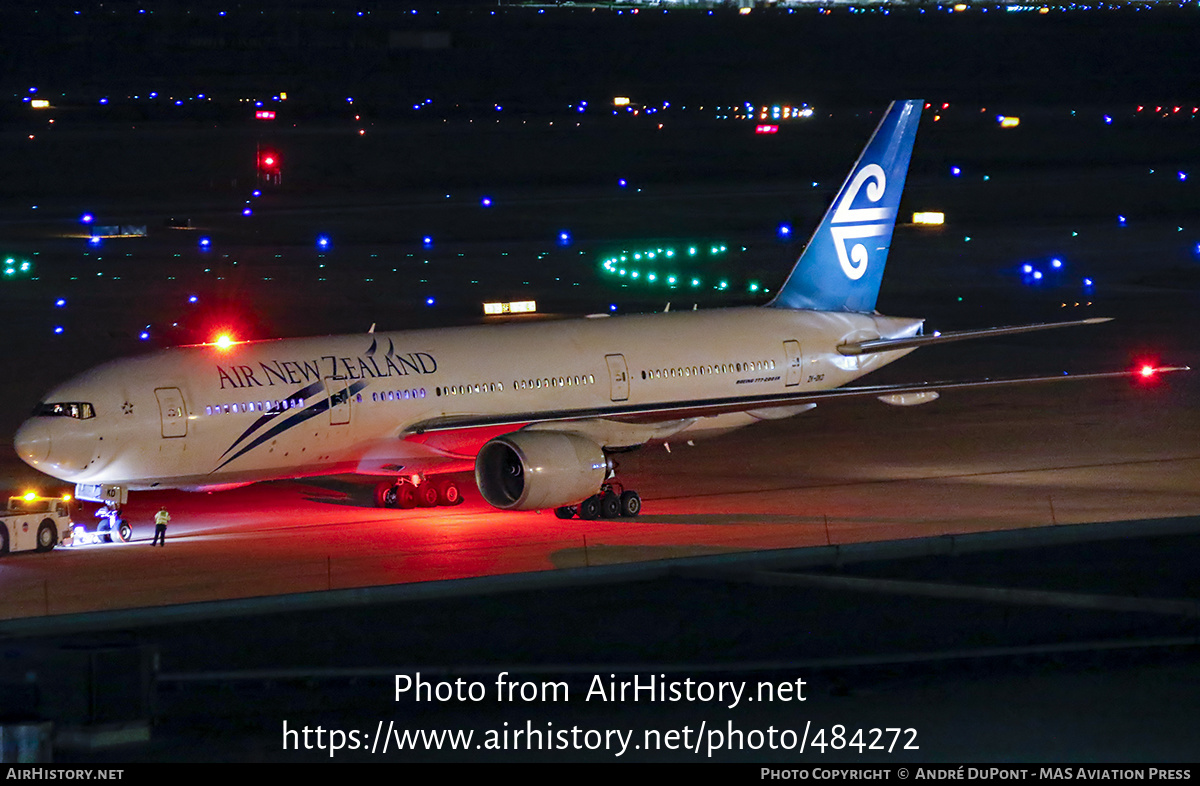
(842, 266)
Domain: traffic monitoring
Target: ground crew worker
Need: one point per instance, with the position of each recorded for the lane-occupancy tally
(161, 519)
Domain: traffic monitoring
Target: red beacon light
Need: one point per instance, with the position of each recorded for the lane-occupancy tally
(223, 341)
(1147, 371)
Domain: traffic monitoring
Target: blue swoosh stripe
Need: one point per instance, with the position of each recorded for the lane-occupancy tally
(294, 420)
(303, 393)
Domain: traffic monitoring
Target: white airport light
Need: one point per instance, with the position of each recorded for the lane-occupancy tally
(930, 218)
(1008, 121)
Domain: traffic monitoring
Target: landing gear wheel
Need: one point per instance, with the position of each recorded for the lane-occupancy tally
(426, 495)
(385, 495)
(610, 505)
(124, 531)
(589, 509)
(631, 504)
(46, 536)
(406, 495)
(566, 512)
(448, 493)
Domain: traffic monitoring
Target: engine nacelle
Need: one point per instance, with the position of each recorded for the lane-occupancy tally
(532, 470)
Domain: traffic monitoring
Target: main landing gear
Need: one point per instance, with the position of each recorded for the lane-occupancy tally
(417, 491)
(612, 501)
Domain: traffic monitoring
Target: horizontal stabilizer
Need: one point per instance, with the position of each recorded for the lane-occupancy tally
(911, 342)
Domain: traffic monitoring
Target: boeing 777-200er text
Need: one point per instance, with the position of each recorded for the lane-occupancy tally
(540, 432)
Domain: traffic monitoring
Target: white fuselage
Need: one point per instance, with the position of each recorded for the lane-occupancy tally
(202, 416)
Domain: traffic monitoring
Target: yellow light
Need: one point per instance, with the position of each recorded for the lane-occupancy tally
(282, 96)
(224, 341)
(39, 103)
(621, 101)
(29, 496)
(1009, 122)
(743, 11)
(66, 497)
(929, 218)
(960, 7)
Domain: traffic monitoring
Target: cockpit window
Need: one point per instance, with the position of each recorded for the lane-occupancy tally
(80, 410)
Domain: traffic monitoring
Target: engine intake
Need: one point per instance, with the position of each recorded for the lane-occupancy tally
(533, 470)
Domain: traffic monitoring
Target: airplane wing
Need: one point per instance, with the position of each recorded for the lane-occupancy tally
(677, 410)
(912, 342)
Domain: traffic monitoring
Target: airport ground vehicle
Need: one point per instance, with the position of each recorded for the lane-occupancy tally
(35, 523)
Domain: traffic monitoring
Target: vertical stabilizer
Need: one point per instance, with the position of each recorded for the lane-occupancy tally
(842, 266)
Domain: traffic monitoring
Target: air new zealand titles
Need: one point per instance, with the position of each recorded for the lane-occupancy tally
(295, 372)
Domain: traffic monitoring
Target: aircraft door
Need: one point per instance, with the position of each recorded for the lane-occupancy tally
(795, 362)
(339, 401)
(172, 412)
(618, 377)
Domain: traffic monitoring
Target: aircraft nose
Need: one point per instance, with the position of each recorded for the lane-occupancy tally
(32, 442)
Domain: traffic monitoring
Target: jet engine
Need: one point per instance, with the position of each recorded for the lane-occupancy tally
(533, 470)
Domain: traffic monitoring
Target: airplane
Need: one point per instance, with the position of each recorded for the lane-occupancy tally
(539, 411)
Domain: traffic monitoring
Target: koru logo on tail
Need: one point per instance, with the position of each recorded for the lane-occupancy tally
(860, 222)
